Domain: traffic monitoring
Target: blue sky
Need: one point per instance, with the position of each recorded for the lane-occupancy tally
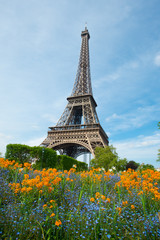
(39, 51)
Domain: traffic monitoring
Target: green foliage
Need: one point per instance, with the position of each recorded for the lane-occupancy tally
(65, 163)
(132, 164)
(82, 166)
(145, 167)
(43, 157)
(121, 164)
(18, 152)
(105, 157)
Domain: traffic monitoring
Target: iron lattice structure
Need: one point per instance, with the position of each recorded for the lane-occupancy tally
(78, 130)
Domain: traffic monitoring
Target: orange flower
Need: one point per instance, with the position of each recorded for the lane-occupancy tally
(39, 185)
(50, 189)
(23, 189)
(132, 207)
(103, 197)
(140, 193)
(92, 199)
(98, 195)
(124, 203)
(45, 205)
(119, 210)
(58, 222)
(26, 176)
(27, 165)
(108, 200)
(28, 189)
(52, 215)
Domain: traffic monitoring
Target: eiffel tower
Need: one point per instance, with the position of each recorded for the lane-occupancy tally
(78, 130)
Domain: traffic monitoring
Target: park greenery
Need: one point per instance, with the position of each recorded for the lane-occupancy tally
(107, 158)
(41, 157)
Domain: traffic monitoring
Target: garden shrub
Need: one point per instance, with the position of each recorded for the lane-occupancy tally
(42, 157)
(18, 152)
(67, 163)
(45, 157)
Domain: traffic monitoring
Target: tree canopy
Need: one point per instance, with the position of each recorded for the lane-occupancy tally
(107, 158)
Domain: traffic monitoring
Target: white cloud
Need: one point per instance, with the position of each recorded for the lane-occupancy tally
(134, 119)
(122, 70)
(106, 79)
(35, 141)
(4, 140)
(157, 60)
(143, 149)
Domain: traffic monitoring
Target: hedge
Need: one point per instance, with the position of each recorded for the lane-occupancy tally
(43, 157)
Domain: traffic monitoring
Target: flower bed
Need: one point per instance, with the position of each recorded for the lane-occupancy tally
(95, 204)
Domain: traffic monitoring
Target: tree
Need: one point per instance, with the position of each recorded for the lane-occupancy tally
(145, 167)
(44, 157)
(121, 164)
(18, 152)
(105, 157)
(132, 164)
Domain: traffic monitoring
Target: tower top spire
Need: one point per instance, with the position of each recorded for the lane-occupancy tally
(82, 84)
(85, 25)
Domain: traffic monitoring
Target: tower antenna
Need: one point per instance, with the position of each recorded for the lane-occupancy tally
(85, 25)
